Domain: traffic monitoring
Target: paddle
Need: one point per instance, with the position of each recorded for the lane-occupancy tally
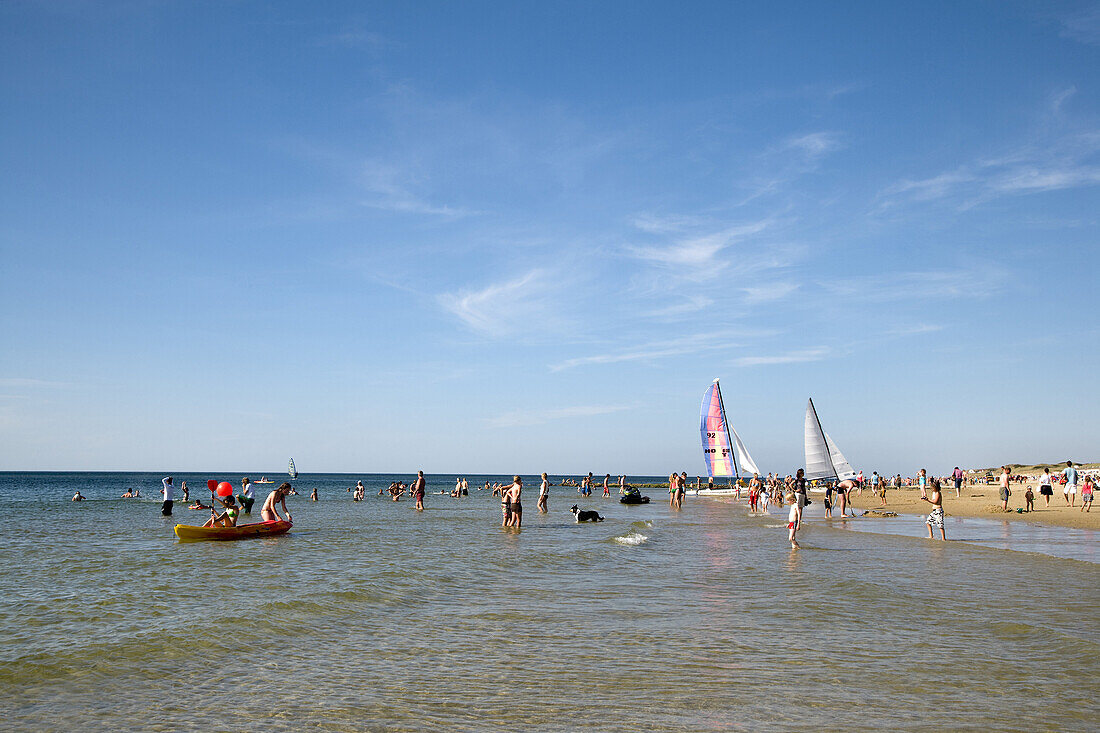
(212, 484)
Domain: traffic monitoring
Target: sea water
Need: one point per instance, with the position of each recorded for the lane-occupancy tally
(372, 616)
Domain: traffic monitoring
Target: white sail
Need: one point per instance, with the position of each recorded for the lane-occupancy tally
(743, 457)
(840, 464)
(818, 462)
(292, 470)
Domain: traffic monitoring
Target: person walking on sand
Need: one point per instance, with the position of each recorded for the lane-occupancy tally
(1005, 491)
(418, 490)
(1069, 481)
(512, 493)
(166, 492)
(957, 475)
(544, 494)
(1086, 495)
(1046, 486)
(269, 511)
(922, 481)
(935, 517)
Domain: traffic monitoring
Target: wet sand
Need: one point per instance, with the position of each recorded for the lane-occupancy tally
(984, 501)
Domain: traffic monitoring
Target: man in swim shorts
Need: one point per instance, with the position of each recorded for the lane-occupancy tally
(269, 512)
(1069, 475)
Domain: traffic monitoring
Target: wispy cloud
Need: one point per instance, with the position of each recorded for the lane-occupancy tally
(1072, 161)
(962, 283)
(1083, 26)
(391, 190)
(916, 330)
(678, 347)
(523, 418)
(698, 257)
(502, 308)
(29, 382)
(791, 357)
(768, 292)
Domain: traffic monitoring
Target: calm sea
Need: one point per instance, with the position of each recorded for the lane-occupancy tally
(371, 616)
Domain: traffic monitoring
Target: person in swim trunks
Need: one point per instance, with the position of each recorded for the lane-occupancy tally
(935, 518)
(511, 495)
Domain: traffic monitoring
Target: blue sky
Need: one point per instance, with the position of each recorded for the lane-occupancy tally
(525, 236)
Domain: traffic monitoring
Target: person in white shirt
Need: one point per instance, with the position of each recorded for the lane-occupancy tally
(247, 499)
(1046, 485)
(168, 493)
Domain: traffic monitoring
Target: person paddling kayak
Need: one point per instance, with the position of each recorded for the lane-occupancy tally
(270, 513)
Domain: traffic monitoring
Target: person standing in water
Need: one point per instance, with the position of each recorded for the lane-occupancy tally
(418, 490)
(183, 488)
(935, 518)
(247, 498)
(269, 512)
(512, 494)
(606, 488)
(544, 493)
(166, 507)
(794, 516)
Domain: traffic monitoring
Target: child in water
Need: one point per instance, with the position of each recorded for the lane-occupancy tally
(792, 521)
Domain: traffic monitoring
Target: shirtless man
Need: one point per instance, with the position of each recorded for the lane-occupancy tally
(935, 519)
(511, 495)
(270, 513)
(418, 490)
(78, 497)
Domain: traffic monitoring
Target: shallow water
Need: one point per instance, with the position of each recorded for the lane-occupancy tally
(371, 616)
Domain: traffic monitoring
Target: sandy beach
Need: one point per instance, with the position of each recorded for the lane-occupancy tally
(983, 501)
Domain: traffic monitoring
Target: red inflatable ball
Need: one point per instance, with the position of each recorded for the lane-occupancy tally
(225, 489)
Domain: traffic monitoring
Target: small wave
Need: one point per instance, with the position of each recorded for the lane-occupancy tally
(645, 523)
(633, 538)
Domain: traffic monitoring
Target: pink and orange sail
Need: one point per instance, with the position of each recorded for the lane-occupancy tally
(714, 431)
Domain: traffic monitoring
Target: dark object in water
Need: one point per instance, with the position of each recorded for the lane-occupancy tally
(633, 496)
(878, 513)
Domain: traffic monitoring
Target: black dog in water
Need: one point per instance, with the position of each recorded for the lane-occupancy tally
(585, 516)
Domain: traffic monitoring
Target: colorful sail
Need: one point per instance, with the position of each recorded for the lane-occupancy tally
(819, 464)
(292, 470)
(717, 453)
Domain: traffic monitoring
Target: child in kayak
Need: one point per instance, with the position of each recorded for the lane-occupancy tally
(270, 513)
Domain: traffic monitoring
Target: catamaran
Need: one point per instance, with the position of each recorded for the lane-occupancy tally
(292, 470)
(723, 456)
(823, 459)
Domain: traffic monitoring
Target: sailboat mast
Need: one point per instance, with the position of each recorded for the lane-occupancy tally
(726, 427)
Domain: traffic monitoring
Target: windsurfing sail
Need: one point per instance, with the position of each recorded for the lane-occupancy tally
(819, 464)
(292, 470)
(743, 458)
(843, 469)
(717, 453)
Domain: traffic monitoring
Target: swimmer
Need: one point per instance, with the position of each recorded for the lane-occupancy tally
(78, 497)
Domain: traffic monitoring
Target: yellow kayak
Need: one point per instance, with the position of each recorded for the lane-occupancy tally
(240, 532)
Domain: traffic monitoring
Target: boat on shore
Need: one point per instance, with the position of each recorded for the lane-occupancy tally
(824, 461)
(723, 450)
(244, 531)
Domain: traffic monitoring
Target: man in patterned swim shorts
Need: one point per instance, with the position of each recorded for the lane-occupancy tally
(935, 518)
